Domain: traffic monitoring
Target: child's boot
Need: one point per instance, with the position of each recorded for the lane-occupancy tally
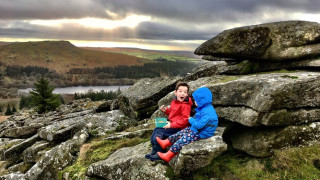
(163, 143)
(166, 156)
(153, 152)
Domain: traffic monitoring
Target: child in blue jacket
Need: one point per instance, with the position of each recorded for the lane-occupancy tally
(203, 125)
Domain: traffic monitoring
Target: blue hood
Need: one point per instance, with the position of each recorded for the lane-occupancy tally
(202, 96)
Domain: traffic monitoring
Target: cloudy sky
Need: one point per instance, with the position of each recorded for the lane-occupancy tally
(149, 24)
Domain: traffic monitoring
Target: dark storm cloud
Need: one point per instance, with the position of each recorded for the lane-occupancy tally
(50, 9)
(182, 10)
(71, 31)
(170, 19)
(205, 10)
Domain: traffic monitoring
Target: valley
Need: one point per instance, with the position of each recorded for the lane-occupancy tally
(65, 65)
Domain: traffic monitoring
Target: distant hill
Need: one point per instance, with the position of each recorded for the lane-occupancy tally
(61, 56)
(4, 43)
(151, 54)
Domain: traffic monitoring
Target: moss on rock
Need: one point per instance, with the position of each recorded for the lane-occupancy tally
(97, 150)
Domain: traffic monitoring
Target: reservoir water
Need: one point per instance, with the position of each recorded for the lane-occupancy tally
(81, 89)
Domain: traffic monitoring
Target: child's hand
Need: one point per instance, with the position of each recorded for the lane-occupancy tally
(163, 109)
(167, 126)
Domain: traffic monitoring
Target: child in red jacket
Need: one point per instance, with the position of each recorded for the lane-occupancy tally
(203, 125)
(178, 114)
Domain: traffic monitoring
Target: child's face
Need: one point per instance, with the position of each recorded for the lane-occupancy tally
(181, 93)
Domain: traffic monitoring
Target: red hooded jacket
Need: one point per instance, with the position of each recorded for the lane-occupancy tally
(179, 113)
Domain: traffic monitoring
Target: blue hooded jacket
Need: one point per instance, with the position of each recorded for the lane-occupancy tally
(205, 121)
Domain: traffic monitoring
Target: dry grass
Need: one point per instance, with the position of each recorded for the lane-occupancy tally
(3, 166)
(3, 118)
(11, 101)
(83, 151)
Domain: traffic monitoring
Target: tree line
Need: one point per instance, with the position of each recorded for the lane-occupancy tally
(17, 71)
(98, 96)
(9, 110)
(148, 70)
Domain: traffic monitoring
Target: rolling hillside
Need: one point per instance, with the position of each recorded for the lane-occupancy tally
(152, 54)
(61, 56)
(64, 64)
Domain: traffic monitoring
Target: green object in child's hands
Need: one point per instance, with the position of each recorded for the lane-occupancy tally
(161, 122)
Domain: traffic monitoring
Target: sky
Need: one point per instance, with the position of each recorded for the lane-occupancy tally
(146, 24)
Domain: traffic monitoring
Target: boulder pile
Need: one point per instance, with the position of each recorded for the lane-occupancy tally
(265, 47)
(36, 146)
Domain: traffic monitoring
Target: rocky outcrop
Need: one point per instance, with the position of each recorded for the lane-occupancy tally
(57, 158)
(270, 104)
(20, 131)
(140, 100)
(135, 166)
(261, 142)
(26, 125)
(265, 47)
(206, 70)
(14, 151)
(279, 41)
(99, 124)
(269, 99)
(263, 100)
(265, 103)
(61, 130)
(55, 141)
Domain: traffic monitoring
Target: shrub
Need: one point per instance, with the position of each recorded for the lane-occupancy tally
(8, 111)
(25, 102)
(43, 98)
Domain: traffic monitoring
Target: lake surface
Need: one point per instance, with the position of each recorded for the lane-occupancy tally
(81, 89)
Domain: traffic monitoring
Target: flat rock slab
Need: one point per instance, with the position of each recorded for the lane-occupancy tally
(278, 41)
(14, 176)
(261, 142)
(268, 99)
(14, 151)
(62, 130)
(207, 69)
(128, 163)
(140, 100)
(198, 154)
